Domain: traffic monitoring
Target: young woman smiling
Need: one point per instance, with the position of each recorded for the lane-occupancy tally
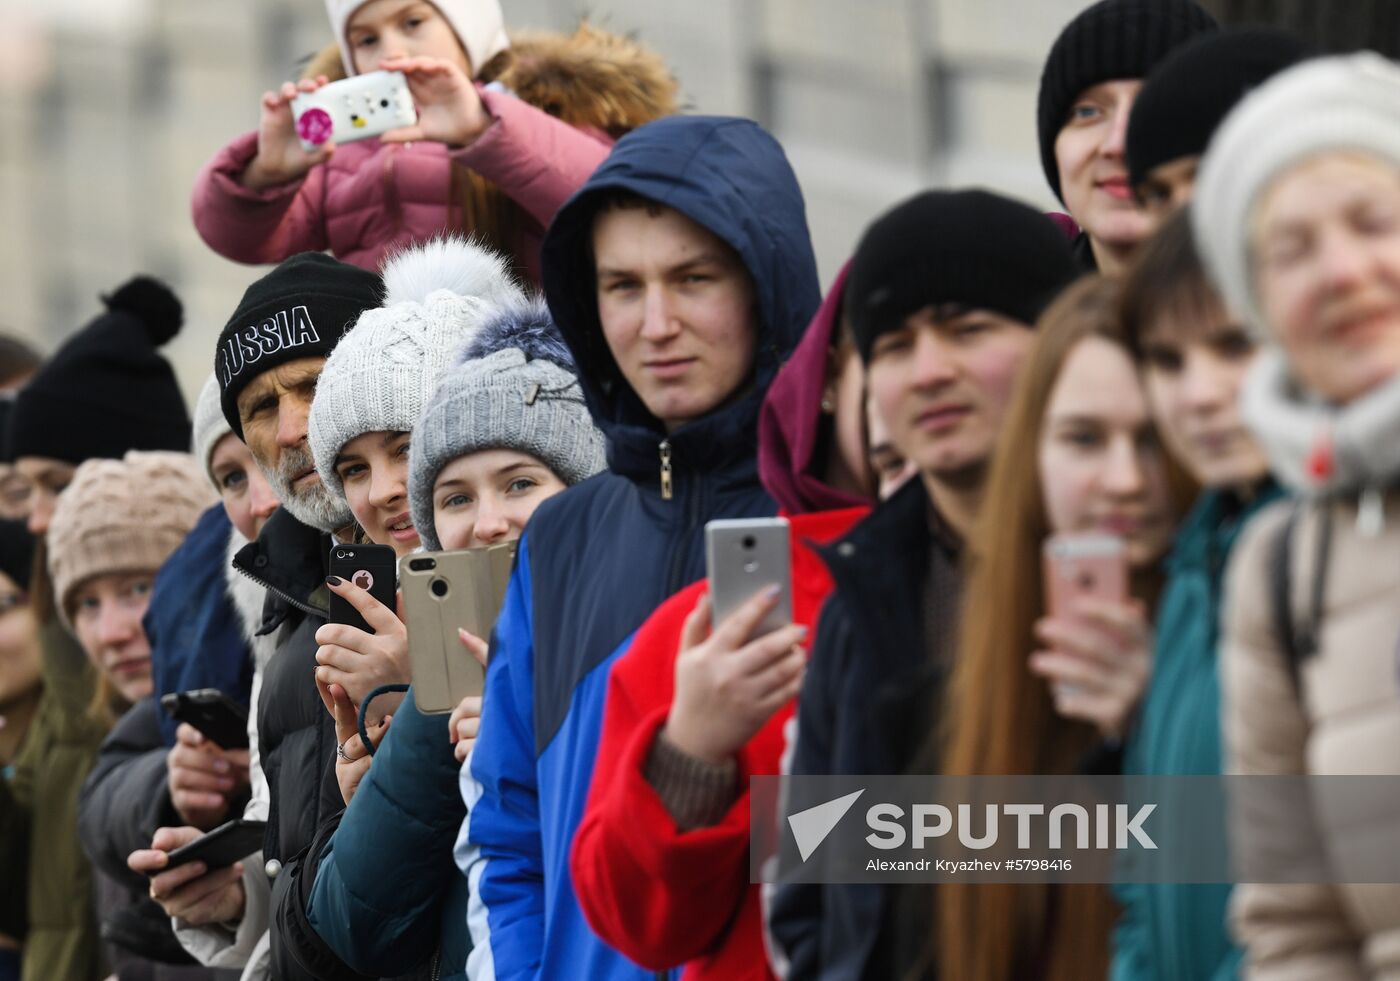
(1091, 77)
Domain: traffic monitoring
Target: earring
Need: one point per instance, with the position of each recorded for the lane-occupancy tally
(828, 403)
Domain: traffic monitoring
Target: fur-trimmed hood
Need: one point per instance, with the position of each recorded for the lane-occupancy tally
(591, 78)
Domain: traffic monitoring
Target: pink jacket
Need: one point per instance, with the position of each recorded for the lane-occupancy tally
(371, 197)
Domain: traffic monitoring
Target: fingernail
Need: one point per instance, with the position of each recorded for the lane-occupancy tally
(801, 632)
(221, 766)
(333, 580)
(772, 591)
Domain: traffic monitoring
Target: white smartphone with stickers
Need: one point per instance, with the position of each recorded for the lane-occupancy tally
(354, 109)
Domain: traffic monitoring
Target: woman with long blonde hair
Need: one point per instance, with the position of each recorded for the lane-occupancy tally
(1035, 694)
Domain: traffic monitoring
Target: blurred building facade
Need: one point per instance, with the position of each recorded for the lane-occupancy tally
(113, 105)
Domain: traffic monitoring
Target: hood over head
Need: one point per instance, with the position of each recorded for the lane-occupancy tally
(730, 176)
(791, 422)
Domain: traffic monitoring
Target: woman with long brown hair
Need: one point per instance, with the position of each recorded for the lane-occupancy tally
(1034, 694)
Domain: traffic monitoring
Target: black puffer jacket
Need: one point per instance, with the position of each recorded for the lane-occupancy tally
(296, 736)
(865, 704)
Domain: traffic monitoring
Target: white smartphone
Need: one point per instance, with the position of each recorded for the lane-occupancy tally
(742, 558)
(354, 109)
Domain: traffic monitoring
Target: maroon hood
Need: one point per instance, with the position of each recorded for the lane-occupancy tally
(791, 418)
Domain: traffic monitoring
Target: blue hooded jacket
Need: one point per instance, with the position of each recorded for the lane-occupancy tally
(595, 561)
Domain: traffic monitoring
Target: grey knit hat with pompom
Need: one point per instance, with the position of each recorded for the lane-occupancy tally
(515, 387)
(437, 295)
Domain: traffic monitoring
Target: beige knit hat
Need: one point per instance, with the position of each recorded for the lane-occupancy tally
(123, 515)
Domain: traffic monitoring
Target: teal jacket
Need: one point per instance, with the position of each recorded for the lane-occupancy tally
(1175, 932)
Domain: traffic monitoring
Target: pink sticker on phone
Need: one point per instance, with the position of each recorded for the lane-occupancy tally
(314, 126)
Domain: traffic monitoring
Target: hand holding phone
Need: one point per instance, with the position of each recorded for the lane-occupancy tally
(213, 713)
(731, 679)
(281, 156)
(354, 108)
(217, 849)
(739, 659)
(363, 660)
(191, 891)
(1097, 654)
(204, 781)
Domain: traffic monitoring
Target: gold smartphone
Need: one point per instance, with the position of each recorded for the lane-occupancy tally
(442, 592)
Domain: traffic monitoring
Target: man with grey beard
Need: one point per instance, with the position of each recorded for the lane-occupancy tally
(269, 357)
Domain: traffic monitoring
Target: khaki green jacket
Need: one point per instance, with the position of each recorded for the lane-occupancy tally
(41, 794)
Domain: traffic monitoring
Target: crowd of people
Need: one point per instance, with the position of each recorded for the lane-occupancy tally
(557, 312)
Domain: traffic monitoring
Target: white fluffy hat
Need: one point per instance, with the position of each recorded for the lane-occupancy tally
(379, 376)
(479, 25)
(1348, 102)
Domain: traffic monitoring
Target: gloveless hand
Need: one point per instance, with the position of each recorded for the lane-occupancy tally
(203, 779)
(450, 109)
(281, 157)
(1098, 662)
(358, 661)
(727, 686)
(191, 892)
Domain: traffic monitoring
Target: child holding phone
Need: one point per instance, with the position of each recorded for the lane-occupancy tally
(479, 159)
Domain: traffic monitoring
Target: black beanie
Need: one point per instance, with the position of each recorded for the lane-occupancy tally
(16, 551)
(299, 310)
(107, 390)
(972, 248)
(1113, 39)
(1196, 86)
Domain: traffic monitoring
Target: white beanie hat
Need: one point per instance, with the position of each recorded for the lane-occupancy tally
(479, 25)
(210, 426)
(385, 367)
(1340, 103)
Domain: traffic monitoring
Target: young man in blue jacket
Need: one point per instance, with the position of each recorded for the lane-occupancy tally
(681, 276)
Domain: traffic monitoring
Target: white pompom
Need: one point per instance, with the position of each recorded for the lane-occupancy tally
(450, 263)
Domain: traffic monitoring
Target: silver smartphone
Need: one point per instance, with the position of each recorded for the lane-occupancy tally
(742, 558)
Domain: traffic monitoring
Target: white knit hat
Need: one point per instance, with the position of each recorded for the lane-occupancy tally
(384, 369)
(479, 25)
(210, 426)
(1328, 104)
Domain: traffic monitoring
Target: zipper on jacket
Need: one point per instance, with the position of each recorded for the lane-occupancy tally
(304, 607)
(666, 490)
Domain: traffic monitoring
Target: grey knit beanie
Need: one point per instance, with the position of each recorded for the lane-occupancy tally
(382, 372)
(1327, 104)
(513, 387)
(210, 426)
